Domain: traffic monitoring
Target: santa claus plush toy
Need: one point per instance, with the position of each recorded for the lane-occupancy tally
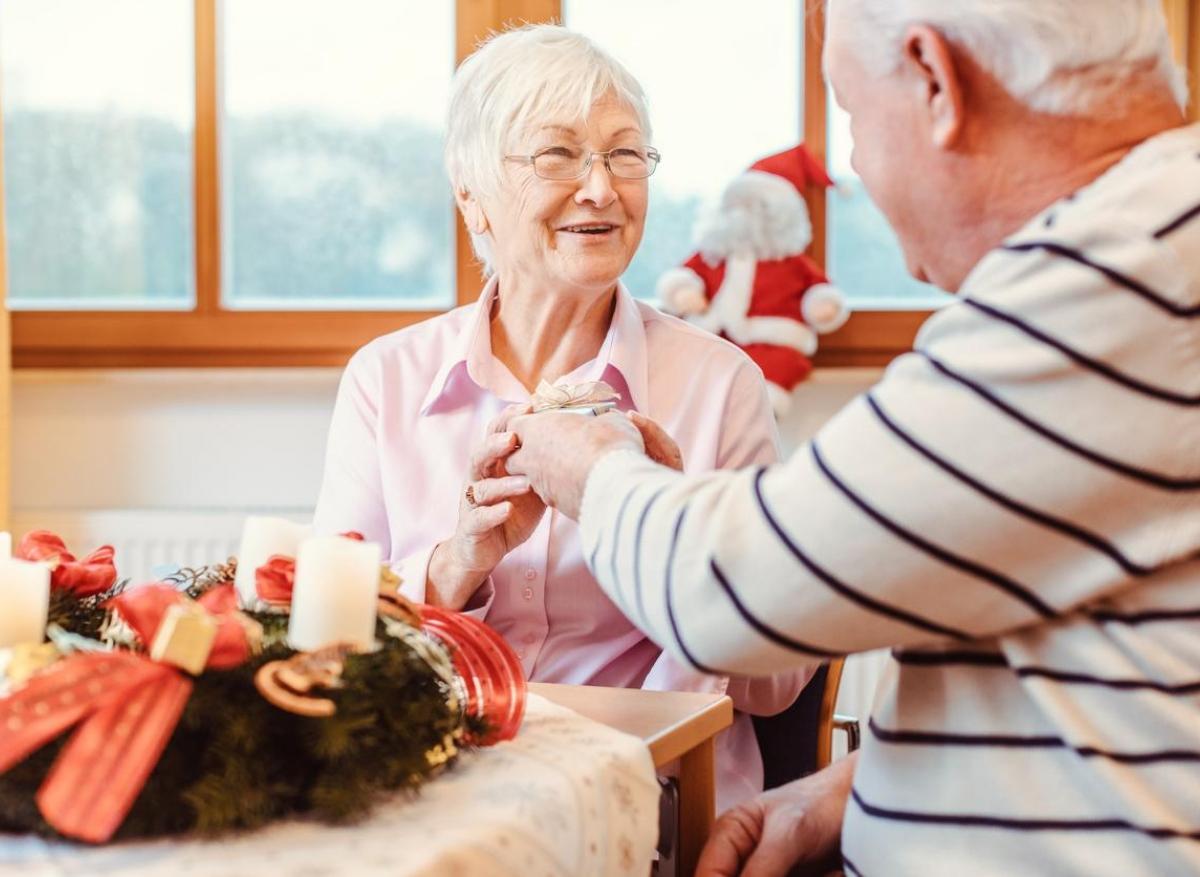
(750, 282)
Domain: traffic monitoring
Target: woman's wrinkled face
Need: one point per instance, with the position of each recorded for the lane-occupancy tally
(578, 234)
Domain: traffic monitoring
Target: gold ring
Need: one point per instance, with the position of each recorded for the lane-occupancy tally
(470, 494)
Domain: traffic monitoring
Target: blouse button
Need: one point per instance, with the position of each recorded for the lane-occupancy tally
(530, 574)
(527, 593)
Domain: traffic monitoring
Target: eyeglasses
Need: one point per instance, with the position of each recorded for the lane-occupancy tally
(561, 163)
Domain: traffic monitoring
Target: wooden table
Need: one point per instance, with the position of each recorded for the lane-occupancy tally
(676, 726)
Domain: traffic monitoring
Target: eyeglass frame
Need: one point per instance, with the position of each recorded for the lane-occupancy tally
(651, 153)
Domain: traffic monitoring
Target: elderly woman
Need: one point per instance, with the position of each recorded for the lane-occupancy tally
(548, 153)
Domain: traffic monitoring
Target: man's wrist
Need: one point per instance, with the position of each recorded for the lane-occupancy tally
(596, 479)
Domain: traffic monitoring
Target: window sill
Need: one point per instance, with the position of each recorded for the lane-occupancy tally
(81, 339)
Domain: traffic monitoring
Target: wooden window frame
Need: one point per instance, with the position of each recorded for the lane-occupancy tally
(209, 335)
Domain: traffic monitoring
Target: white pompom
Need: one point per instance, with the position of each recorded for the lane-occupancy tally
(681, 292)
(824, 308)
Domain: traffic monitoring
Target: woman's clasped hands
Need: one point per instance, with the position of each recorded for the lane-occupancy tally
(496, 513)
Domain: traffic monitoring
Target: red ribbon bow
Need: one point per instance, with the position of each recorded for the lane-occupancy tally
(92, 575)
(127, 707)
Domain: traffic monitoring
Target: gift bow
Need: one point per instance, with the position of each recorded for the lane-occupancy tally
(127, 707)
(92, 575)
(551, 396)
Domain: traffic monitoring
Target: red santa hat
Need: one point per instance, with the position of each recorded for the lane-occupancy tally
(797, 166)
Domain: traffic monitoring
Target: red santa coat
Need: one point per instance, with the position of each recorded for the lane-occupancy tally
(760, 310)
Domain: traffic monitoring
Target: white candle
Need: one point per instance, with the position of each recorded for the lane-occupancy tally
(262, 537)
(335, 595)
(24, 601)
(5, 545)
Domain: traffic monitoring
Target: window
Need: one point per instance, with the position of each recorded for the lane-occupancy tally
(98, 166)
(259, 182)
(334, 194)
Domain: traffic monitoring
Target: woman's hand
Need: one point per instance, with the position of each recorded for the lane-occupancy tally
(797, 826)
(503, 514)
(660, 447)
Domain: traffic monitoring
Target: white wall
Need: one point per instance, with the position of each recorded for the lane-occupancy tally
(203, 439)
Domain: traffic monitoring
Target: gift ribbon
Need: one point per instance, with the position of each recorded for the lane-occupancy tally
(127, 707)
(92, 575)
(549, 397)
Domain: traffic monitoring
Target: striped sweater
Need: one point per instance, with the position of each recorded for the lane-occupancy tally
(1015, 511)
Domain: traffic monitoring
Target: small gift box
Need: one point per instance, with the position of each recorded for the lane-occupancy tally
(590, 397)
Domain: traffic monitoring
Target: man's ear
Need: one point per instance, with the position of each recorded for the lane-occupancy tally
(472, 211)
(928, 57)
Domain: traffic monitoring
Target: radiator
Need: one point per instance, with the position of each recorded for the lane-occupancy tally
(149, 543)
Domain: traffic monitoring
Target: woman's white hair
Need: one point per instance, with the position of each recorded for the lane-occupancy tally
(516, 81)
(1067, 57)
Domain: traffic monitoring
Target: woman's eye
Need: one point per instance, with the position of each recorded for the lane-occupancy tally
(627, 153)
(557, 151)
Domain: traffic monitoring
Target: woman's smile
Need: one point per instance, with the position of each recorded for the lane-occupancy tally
(590, 232)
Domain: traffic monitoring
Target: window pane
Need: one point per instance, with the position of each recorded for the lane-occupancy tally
(98, 106)
(712, 116)
(864, 255)
(333, 188)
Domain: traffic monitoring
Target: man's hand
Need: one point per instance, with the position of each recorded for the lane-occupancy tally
(795, 826)
(557, 451)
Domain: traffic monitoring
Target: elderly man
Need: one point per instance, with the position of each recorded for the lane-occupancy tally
(1014, 509)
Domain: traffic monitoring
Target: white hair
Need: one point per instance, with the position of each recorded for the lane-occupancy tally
(1067, 57)
(760, 215)
(514, 82)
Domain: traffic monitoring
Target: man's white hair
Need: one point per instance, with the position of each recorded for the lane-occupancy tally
(516, 81)
(1067, 57)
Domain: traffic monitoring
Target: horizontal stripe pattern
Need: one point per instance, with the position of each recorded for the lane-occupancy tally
(1178, 223)
(854, 595)
(1014, 511)
(1074, 531)
(1101, 368)
(1115, 277)
(1146, 616)
(1023, 825)
(1067, 677)
(1011, 741)
(999, 580)
(1156, 479)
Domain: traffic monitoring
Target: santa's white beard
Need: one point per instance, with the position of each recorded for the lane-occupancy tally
(763, 230)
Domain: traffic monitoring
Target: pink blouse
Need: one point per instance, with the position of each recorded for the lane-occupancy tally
(412, 406)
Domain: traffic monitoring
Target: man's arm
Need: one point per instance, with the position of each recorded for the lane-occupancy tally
(979, 488)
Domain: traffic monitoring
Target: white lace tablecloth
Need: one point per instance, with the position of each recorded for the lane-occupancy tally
(567, 798)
